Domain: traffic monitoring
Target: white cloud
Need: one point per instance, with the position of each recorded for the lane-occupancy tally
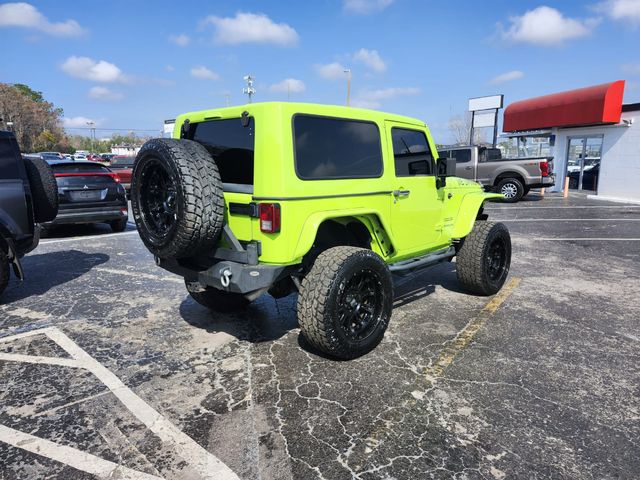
(331, 71)
(631, 68)
(506, 77)
(292, 85)
(546, 26)
(364, 7)
(90, 69)
(78, 122)
(203, 73)
(169, 68)
(103, 93)
(624, 10)
(181, 40)
(26, 15)
(374, 98)
(251, 28)
(370, 58)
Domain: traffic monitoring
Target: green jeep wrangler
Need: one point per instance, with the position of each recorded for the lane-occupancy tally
(326, 201)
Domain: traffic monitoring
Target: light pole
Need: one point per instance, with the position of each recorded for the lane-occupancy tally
(348, 72)
(249, 90)
(92, 134)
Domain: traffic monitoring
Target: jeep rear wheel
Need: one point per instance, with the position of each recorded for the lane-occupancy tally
(345, 302)
(214, 299)
(44, 189)
(484, 258)
(511, 189)
(176, 197)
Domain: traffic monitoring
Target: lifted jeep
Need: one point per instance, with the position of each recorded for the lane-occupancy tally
(324, 200)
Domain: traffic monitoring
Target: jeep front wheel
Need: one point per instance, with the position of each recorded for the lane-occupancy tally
(483, 260)
(176, 198)
(214, 299)
(345, 302)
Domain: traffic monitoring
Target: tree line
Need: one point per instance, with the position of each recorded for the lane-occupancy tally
(37, 124)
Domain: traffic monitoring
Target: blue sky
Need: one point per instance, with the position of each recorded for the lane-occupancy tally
(132, 64)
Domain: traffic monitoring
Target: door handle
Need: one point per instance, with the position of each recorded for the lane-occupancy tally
(467, 168)
(401, 193)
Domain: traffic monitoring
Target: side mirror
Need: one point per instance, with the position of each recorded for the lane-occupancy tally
(446, 167)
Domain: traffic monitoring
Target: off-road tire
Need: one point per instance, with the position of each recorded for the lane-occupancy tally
(513, 185)
(214, 299)
(4, 270)
(44, 189)
(199, 202)
(118, 225)
(322, 288)
(473, 261)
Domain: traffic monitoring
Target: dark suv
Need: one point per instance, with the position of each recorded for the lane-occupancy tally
(28, 196)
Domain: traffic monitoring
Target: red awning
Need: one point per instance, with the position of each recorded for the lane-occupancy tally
(595, 105)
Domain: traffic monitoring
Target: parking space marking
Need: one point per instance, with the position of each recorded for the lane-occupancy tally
(575, 239)
(566, 219)
(506, 209)
(206, 464)
(87, 237)
(148, 276)
(464, 337)
(70, 456)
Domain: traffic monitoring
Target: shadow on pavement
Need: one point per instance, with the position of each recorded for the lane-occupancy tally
(80, 230)
(48, 270)
(264, 320)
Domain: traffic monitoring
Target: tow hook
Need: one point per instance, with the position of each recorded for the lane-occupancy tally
(225, 277)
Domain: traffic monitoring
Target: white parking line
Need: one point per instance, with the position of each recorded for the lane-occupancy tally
(562, 206)
(577, 239)
(566, 219)
(70, 456)
(204, 463)
(87, 237)
(148, 276)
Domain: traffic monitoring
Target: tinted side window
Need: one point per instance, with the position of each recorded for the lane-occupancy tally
(461, 156)
(444, 153)
(411, 153)
(336, 148)
(8, 160)
(231, 145)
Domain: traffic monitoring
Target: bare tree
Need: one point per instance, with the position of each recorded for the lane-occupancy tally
(460, 128)
(35, 122)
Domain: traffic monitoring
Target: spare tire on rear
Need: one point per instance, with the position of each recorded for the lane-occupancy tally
(176, 197)
(44, 189)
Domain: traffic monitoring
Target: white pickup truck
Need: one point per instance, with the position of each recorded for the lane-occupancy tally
(513, 177)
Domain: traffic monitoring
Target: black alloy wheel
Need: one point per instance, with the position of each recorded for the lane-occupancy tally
(360, 304)
(158, 194)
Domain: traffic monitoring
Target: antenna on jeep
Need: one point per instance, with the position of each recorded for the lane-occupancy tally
(249, 90)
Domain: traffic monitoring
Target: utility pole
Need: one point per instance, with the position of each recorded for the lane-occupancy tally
(348, 72)
(249, 90)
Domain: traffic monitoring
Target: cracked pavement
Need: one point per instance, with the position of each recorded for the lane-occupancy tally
(547, 387)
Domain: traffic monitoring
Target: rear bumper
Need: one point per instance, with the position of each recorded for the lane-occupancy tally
(242, 278)
(545, 183)
(89, 215)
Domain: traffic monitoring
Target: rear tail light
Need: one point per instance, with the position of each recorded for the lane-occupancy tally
(115, 177)
(544, 169)
(269, 214)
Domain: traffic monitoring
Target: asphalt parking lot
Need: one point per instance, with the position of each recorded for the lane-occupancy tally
(109, 369)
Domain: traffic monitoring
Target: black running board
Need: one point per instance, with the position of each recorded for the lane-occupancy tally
(424, 261)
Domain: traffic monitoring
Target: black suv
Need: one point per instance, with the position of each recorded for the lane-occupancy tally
(28, 196)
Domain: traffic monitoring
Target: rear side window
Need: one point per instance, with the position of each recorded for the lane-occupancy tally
(231, 145)
(8, 159)
(461, 156)
(444, 153)
(328, 148)
(411, 152)
(79, 168)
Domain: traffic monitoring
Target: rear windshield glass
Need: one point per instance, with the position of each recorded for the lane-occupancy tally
(336, 148)
(123, 162)
(79, 168)
(231, 145)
